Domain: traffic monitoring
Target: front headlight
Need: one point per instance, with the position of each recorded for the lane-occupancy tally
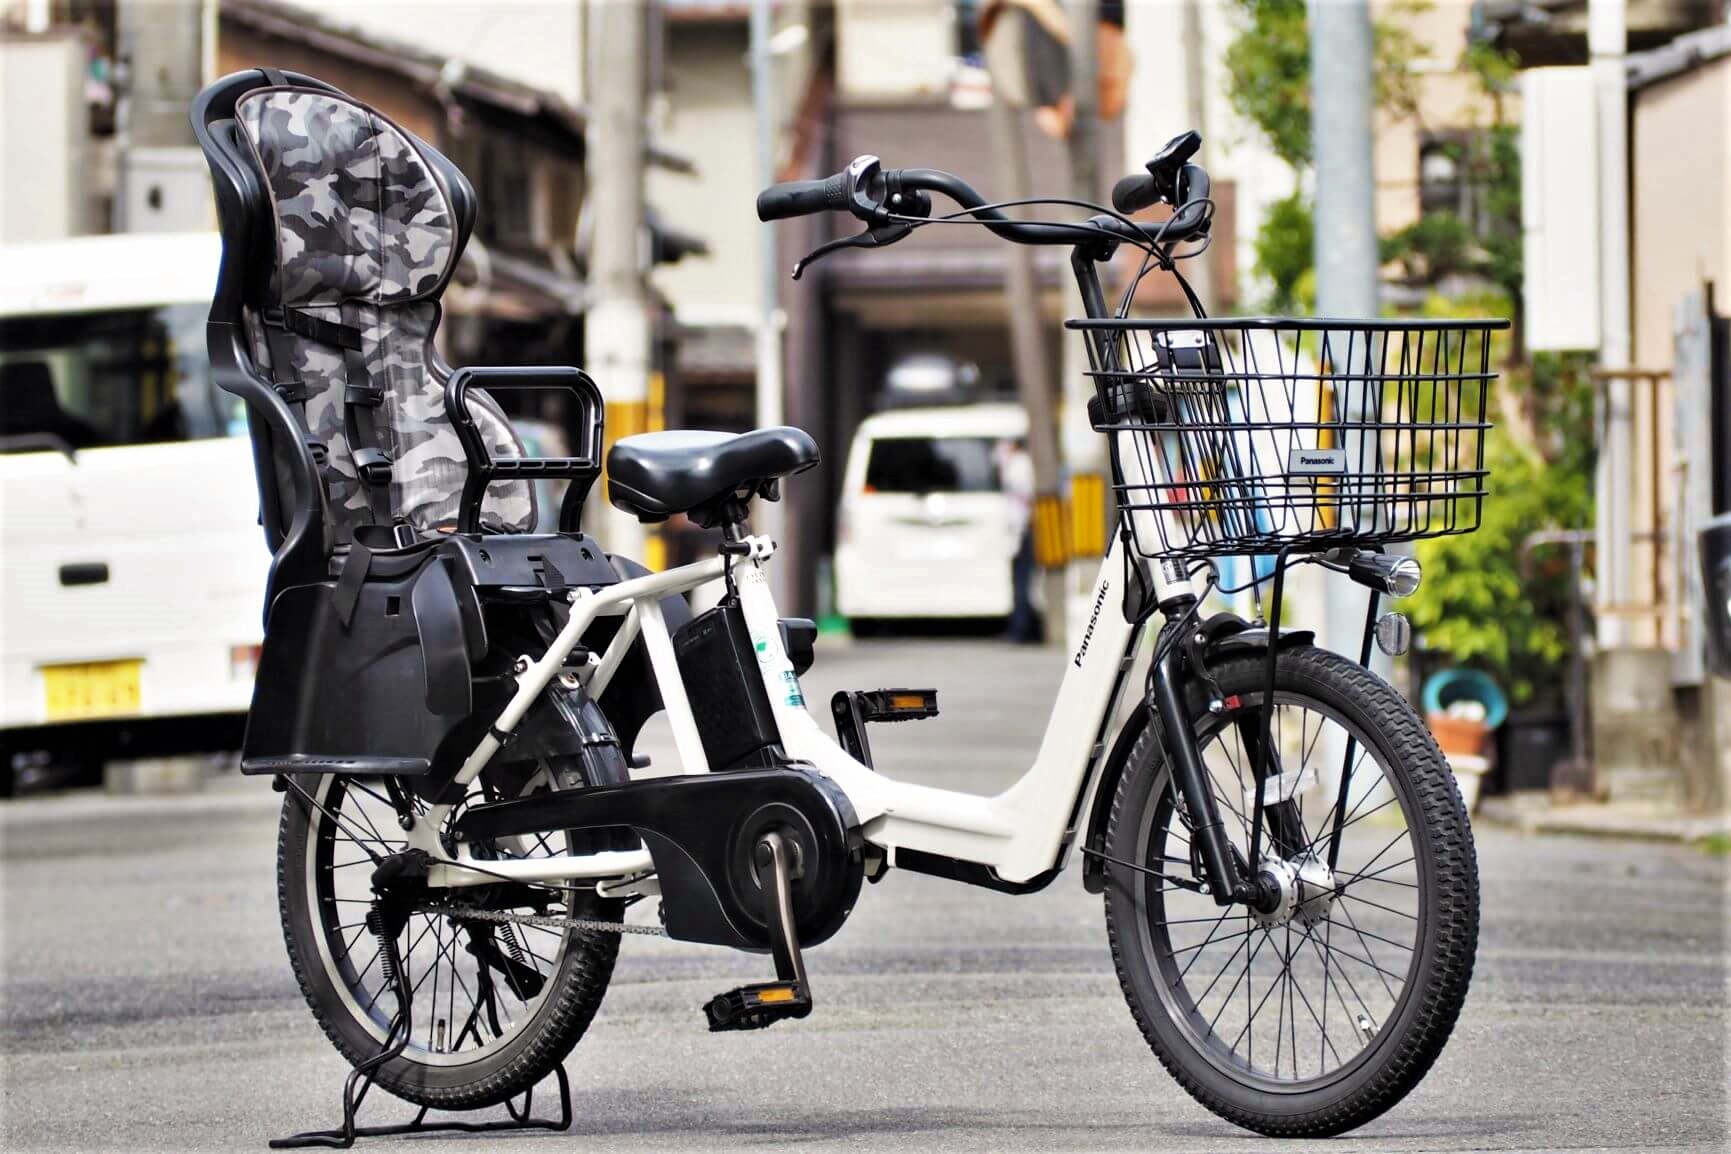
(1398, 576)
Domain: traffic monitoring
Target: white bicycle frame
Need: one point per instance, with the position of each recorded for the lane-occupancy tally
(1019, 833)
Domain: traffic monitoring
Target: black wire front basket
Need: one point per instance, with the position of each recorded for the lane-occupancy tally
(1263, 435)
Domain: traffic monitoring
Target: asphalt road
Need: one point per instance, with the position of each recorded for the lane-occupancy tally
(147, 1002)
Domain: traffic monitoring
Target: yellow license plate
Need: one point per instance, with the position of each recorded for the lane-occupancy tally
(92, 689)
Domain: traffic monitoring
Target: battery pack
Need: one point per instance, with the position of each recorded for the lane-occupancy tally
(728, 702)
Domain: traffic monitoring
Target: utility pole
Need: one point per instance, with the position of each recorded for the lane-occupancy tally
(1033, 373)
(1341, 126)
(1085, 95)
(1084, 450)
(771, 518)
(1607, 40)
(1634, 712)
(616, 330)
(1199, 272)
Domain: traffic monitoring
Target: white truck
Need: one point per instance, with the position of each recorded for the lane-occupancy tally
(130, 555)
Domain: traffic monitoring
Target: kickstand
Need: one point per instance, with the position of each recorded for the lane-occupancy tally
(360, 1079)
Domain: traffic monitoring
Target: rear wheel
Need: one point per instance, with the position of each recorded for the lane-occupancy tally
(495, 1006)
(1315, 1018)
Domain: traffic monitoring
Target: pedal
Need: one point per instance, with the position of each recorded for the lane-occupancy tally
(789, 996)
(754, 1007)
(853, 709)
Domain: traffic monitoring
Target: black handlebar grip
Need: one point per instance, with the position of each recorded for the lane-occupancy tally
(1135, 193)
(802, 197)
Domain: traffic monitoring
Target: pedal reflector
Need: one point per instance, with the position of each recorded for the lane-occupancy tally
(897, 704)
(754, 1007)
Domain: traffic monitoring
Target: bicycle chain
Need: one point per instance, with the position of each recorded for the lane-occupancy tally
(546, 921)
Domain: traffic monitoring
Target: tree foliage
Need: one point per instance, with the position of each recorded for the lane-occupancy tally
(1285, 252)
(1482, 602)
(1442, 243)
(1268, 75)
(1268, 72)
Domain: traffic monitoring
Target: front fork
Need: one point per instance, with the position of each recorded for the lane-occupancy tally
(1231, 879)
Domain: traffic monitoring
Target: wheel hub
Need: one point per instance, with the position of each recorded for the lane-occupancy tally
(1305, 886)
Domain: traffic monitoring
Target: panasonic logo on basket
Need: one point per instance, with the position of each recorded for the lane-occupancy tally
(1317, 462)
(1093, 620)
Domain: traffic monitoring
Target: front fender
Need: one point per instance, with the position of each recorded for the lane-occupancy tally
(1226, 635)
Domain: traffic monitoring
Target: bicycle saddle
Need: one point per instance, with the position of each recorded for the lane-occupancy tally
(654, 475)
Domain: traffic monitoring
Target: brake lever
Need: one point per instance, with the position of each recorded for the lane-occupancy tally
(875, 237)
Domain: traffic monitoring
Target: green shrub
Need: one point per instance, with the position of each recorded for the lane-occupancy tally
(1476, 606)
(1285, 249)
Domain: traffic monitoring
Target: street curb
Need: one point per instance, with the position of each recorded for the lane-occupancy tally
(1631, 821)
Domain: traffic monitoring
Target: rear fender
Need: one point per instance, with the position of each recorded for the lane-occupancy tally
(1227, 635)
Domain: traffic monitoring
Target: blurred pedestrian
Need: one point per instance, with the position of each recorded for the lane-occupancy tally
(1016, 475)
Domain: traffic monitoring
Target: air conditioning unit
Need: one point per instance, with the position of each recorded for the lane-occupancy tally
(164, 190)
(1560, 208)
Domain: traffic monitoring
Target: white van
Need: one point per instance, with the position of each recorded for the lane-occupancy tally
(926, 529)
(132, 568)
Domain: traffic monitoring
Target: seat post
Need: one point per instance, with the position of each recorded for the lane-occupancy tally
(730, 516)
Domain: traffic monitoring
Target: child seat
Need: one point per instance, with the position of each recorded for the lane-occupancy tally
(394, 495)
(340, 232)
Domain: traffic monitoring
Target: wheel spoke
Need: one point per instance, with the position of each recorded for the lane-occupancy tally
(1321, 1026)
(1346, 953)
(1354, 879)
(1249, 960)
(1369, 953)
(1205, 943)
(1352, 897)
(1327, 952)
(1241, 945)
(1378, 855)
(1250, 1019)
(1334, 806)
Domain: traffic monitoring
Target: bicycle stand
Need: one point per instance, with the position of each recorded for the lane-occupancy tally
(360, 1079)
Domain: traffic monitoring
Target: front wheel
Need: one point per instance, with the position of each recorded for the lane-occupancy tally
(1313, 1018)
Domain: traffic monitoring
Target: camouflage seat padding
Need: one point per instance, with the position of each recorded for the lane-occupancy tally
(367, 237)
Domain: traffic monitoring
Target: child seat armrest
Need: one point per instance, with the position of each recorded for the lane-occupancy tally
(484, 468)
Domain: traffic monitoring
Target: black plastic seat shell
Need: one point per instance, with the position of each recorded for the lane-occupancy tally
(654, 475)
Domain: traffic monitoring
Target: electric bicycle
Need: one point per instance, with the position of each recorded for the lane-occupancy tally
(450, 698)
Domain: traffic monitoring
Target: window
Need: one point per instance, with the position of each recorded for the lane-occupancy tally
(131, 377)
(1439, 177)
(931, 465)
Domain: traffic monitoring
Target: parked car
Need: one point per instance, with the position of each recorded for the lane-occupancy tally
(925, 527)
(133, 584)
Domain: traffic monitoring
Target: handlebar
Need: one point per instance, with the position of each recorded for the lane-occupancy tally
(802, 197)
(887, 200)
(1020, 231)
(880, 196)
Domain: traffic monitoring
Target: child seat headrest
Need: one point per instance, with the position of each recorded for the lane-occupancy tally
(360, 213)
